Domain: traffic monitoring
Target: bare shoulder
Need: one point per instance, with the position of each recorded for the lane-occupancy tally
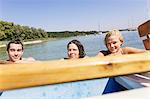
(131, 50)
(30, 59)
(85, 56)
(100, 54)
(26, 60)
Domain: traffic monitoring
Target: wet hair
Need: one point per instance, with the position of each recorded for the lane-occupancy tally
(80, 47)
(14, 42)
(114, 32)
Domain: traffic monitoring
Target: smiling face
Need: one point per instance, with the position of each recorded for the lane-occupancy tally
(15, 52)
(114, 44)
(73, 51)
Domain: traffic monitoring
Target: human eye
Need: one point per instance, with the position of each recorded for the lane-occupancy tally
(19, 50)
(114, 42)
(12, 50)
(69, 49)
(74, 49)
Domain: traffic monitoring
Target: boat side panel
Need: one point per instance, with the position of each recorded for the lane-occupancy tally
(72, 90)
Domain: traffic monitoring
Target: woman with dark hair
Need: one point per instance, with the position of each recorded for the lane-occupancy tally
(75, 50)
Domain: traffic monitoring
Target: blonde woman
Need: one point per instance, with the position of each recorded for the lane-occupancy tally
(113, 41)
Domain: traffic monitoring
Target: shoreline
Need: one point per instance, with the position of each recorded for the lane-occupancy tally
(33, 42)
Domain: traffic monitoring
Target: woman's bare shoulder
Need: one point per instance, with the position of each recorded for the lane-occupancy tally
(100, 54)
(132, 50)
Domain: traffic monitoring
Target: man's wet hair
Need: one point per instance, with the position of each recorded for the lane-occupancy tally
(15, 42)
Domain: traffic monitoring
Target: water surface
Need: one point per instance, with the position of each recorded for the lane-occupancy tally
(56, 49)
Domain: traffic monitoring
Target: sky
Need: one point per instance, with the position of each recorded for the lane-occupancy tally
(76, 15)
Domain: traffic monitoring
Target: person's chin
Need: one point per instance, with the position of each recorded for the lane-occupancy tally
(113, 51)
(14, 60)
(73, 57)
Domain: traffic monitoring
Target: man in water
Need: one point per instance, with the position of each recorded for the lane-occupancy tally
(15, 51)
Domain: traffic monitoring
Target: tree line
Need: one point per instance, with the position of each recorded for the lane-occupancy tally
(70, 33)
(11, 31)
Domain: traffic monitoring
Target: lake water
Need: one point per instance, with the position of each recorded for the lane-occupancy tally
(56, 49)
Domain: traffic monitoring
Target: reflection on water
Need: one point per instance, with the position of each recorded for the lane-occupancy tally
(56, 49)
